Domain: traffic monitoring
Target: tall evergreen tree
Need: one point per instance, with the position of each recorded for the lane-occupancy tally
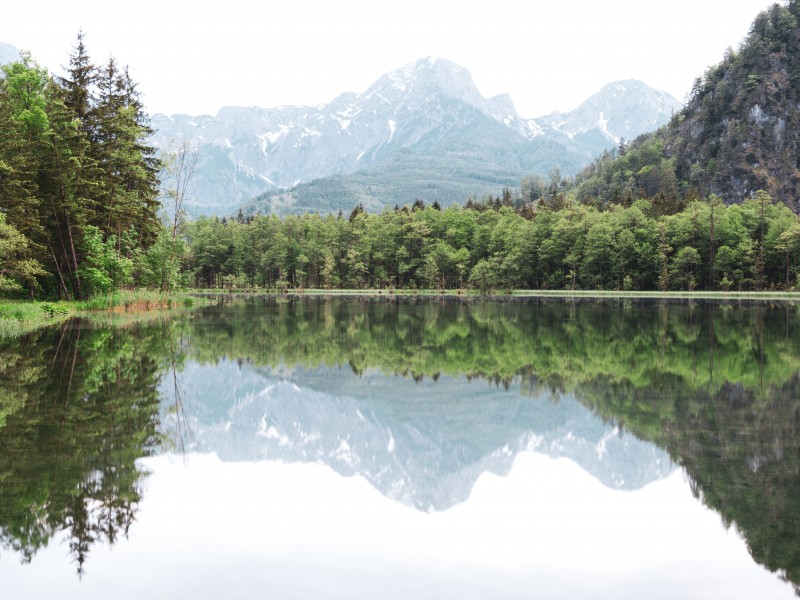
(78, 83)
(129, 192)
(75, 165)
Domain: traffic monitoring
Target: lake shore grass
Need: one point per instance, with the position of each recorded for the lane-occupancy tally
(18, 317)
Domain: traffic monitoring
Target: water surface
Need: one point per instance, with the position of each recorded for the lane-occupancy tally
(375, 448)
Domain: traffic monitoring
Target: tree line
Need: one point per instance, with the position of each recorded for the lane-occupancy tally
(502, 244)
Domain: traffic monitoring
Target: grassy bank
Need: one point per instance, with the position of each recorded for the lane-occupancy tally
(18, 317)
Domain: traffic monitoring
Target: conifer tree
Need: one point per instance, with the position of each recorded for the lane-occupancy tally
(129, 191)
(78, 83)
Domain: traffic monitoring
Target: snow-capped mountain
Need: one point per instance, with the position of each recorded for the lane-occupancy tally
(621, 110)
(430, 108)
(421, 443)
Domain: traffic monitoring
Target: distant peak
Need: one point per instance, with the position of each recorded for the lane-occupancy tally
(427, 73)
(623, 86)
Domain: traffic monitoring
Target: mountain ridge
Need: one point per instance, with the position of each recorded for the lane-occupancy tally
(423, 131)
(430, 109)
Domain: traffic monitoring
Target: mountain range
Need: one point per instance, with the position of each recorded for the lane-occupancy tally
(421, 131)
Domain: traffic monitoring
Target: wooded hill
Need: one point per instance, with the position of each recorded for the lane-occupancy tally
(739, 132)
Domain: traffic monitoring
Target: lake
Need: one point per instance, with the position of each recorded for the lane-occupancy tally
(300, 447)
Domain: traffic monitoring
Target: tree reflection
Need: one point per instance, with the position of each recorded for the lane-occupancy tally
(80, 405)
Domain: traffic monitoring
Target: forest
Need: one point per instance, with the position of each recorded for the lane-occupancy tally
(493, 245)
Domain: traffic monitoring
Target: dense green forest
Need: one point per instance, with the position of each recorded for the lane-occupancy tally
(492, 245)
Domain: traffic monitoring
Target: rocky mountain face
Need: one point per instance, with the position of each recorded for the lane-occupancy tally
(739, 132)
(423, 129)
(422, 443)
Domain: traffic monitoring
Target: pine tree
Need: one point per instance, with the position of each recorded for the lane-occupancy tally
(79, 82)
(128, 195)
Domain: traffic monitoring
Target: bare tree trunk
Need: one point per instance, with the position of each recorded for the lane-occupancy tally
(60, 276)
(63, 195)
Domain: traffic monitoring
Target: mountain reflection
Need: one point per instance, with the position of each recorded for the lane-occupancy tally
(421, 443)
(381, 388)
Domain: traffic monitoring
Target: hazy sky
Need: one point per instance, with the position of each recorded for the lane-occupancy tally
(197, 56)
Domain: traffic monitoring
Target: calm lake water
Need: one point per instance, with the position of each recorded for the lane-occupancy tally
(377, 448)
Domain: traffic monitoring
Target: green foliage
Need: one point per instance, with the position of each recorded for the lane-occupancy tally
(16, 265)
(74, 169)
(25, 84)
(483, 276)
(103, 268)
(493, 246)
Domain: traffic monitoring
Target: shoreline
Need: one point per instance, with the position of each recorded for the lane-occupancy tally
(18, 317)
(470, 294)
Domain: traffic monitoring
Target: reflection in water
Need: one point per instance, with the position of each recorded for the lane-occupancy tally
(79, 406)
(422, 443)
(713, 385)
(209, 529)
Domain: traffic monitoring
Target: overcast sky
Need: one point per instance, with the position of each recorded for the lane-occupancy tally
(197, 56)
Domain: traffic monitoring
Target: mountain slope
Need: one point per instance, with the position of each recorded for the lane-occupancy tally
(739, 133)
(428, 113)
(621, 110)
